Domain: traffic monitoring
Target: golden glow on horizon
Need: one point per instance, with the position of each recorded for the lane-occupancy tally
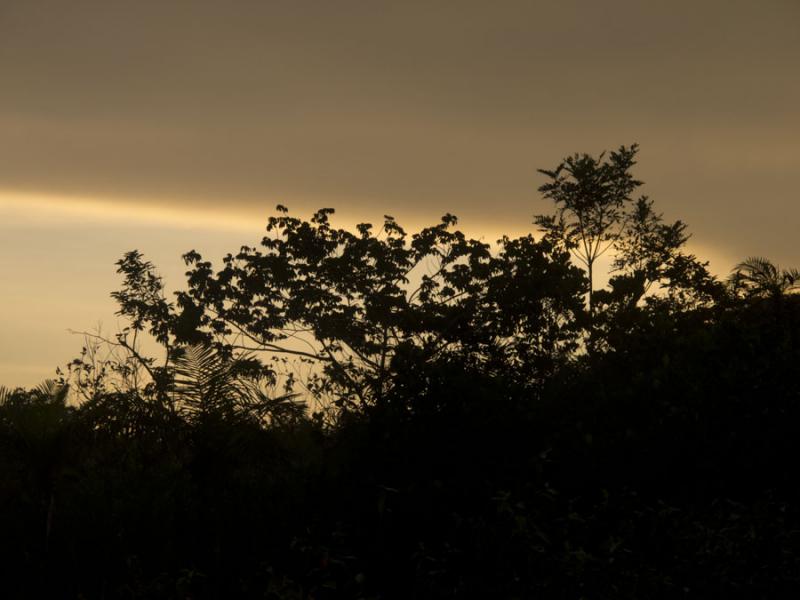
(51, 209)
(191, 139)
(58, 211)
(69, 245)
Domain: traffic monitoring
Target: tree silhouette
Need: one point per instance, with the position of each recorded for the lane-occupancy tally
(469, 446)
(596, 214)
(591, 196)
(336, 313)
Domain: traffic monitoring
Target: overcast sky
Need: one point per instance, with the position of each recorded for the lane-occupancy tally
(172, 125)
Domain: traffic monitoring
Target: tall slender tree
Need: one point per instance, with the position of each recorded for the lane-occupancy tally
(592, 197)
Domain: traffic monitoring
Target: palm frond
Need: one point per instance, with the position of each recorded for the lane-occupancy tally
(792, 279)
(202, 378)
(206, 382)
(758, 276)
(259, 400)
(52, 391)
(756, 269)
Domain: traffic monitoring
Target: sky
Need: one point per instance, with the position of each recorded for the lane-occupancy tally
(167, 126)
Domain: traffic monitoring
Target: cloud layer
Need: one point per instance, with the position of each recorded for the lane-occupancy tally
(206, 114)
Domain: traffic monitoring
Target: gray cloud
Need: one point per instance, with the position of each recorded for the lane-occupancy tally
(409, 108)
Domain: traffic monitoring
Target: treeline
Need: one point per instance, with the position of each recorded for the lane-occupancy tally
(371, 414)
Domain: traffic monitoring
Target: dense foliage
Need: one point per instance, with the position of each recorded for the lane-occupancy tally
(339, 414)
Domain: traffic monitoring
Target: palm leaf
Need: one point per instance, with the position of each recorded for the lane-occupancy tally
(52, 391)
(203, 379)
(758, 276)
(207, 383)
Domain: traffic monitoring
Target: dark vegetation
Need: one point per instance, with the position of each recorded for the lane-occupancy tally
(369, 414)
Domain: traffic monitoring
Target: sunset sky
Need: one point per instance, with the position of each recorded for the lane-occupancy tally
(167, 126)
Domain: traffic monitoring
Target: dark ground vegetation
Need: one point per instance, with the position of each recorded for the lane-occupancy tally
(376, 415)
